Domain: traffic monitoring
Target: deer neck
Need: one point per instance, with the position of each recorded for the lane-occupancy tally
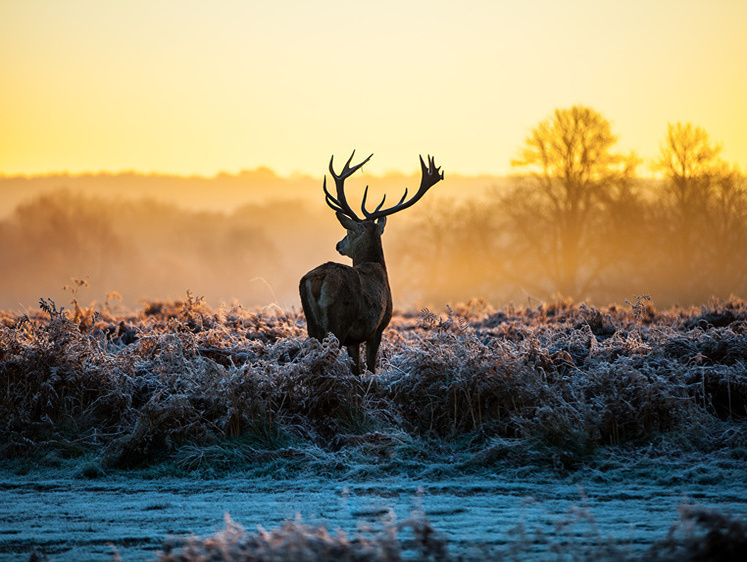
(371, 253)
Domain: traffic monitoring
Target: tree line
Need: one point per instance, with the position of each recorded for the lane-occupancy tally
(578, 221)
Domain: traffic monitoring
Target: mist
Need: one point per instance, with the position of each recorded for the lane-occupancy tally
(122, 240)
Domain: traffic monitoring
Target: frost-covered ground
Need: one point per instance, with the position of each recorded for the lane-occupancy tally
(530, 516)
(559, 430)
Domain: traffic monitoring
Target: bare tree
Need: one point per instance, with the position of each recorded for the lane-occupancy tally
(570, 170)
(704, 210)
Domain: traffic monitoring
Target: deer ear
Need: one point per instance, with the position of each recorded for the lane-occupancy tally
(346, 222)
(380, 224)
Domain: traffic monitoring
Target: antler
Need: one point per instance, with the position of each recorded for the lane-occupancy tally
(340, 203)
(430, 176)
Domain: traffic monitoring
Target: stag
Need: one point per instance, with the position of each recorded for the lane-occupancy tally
(355, 303)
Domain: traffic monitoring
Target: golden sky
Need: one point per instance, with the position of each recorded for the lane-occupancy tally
(199, 87)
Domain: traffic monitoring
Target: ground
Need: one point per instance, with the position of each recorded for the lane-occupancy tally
(557, 431)
(529, 514)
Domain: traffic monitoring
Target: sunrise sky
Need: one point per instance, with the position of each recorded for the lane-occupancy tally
(198, 87)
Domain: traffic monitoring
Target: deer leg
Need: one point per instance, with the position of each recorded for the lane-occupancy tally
(355, 354)
(372, 349)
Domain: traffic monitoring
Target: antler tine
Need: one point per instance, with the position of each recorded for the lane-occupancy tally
(340, 203)
(430, 176)
(330, 200)
(363, 203)
(347, 171)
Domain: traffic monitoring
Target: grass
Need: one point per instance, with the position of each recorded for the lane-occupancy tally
(180, 389)
(183, 384)
(698, 534)
(412, 539)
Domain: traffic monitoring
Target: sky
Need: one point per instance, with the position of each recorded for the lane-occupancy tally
(200, 87)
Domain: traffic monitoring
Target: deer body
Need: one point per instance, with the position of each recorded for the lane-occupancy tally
(355, 302)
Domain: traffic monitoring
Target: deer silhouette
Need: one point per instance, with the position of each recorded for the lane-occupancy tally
(355, 303)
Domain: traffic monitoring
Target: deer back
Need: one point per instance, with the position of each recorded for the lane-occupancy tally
(353, 303)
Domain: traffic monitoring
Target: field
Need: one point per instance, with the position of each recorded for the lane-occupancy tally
(608, 419)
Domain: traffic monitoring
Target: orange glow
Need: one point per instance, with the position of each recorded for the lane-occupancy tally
(198, 87)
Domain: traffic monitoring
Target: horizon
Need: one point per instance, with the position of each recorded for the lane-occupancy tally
(246, 171)
(199, 89)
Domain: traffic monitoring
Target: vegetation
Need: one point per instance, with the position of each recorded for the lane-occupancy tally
(573, 174)
(699, 534)
(704, 208)
(472, 390)
(182, 389)
(188, 390)
(299, 541)
(579, 222)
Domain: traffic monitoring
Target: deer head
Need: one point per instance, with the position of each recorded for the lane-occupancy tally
(363, 233)
(360, 241)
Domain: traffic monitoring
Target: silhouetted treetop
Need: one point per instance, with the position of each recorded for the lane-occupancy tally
(573, 145)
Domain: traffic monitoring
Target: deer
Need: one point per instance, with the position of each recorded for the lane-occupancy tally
(354, 303)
